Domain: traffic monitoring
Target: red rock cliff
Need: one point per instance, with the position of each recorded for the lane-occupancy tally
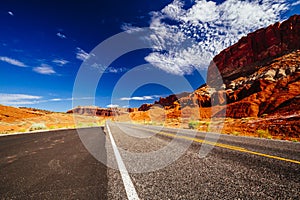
(259, 46)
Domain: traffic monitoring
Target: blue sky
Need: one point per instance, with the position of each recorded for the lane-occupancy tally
(44, 43)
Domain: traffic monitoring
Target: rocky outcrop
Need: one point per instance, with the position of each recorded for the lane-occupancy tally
(261, 46)
(267, 91)
(145, 107)
(169, 100)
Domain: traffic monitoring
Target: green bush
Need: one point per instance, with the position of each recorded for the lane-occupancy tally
(264, 134)
(52, 127)
(193, 124)
(37, 126)
(236, 133)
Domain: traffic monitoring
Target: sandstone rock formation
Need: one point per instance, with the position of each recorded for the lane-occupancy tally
(261, 46)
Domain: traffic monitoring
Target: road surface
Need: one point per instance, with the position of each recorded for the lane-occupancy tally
(58, 165)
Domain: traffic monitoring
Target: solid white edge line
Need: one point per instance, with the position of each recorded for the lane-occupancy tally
(129, 187)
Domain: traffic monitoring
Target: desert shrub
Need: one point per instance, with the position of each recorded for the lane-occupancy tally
(193, 124)
(52, 127)
(92, 124)
(79, 125)
(3, 132)
(236, 133)
(37, 126)
(101, 123)
(264, 134)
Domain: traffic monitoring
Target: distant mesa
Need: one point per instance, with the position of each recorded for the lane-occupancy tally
(102, 112)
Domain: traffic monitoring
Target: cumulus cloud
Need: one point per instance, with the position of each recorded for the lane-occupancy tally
(18, 99)
(44, 69)
(185, 39)
(81, 54)
(12, 61)
(60, 62)
(142, 98)
(61, 35)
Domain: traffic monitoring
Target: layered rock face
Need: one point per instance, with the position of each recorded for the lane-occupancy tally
(265, 91)
(270, 87)
(257, 48)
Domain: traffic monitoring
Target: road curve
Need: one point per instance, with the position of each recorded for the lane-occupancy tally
(56, 165)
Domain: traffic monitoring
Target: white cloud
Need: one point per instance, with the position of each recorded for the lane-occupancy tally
(44, 69)
(81, 54)
(110, 69)
(200, 32)
(58, 99)
(173, 10)
(112, 106)
(61, 35)
(25, 99)
(116, 69)
(130, 28)
(10, 13)
(142, 98)
(60, 62)
(12, 61)
(296, 3)
(69, 99)
(18, 99)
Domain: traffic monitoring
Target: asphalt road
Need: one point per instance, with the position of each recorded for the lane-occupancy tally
(57, 165)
